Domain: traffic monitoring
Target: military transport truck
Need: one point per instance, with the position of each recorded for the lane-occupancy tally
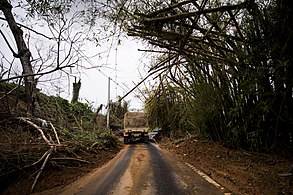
(135, 127)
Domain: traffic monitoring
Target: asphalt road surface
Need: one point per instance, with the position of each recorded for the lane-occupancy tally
(144, 169)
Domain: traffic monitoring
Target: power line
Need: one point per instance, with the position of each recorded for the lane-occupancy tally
(92, 64)
(80, 52)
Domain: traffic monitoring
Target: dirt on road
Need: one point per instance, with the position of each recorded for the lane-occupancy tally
(239, 171)
(121, 175)
(142, 169)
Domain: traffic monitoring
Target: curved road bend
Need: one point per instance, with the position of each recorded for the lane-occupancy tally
(143, 169)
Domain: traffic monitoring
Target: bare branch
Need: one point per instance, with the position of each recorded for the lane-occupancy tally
(55, 132)
(9, 92)
(8, 44)
(40, 74)
(26, 27)
(42, 168)
(155, 51)
(188, 14)
(73, 159)
(26, 120)
(168, 8)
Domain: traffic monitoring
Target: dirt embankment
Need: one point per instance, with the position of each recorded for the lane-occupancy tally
(20, 148)
(66, 142)
(239, 171)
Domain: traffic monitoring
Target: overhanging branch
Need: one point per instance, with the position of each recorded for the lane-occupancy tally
(30, 29)
(195, 13)
(37, 74)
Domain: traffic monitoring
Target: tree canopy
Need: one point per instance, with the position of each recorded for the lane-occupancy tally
(225, 68)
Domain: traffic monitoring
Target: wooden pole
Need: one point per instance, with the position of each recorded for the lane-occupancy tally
(108, 110)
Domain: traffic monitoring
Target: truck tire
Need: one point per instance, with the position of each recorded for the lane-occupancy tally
(125, 140)
(146, 139)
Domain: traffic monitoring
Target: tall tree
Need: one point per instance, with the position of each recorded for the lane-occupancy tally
(24, 55)
(66, 31)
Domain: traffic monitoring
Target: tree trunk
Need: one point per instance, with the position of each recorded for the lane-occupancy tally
(24, 56)
(76, 89)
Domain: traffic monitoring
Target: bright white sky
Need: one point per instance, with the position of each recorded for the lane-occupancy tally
(124, 66)
(129, 63)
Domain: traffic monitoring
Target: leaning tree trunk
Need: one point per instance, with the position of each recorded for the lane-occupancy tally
(24, 56)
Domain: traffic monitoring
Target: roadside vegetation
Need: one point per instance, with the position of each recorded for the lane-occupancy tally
(224, 68)
(68, 136)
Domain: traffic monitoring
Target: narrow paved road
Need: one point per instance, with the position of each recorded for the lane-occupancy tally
(144, 169)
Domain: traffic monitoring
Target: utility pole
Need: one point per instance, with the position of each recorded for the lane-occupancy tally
(108, 110)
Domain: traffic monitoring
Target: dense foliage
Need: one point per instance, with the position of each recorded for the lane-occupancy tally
(117, 111)
(225, 68)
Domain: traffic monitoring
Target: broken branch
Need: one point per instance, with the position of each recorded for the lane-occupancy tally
(42, 168)
(74, 159)
(195, 13)
(55, 132)
(36, 127)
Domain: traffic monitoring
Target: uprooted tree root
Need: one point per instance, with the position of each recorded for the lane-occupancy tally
(27, 145)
